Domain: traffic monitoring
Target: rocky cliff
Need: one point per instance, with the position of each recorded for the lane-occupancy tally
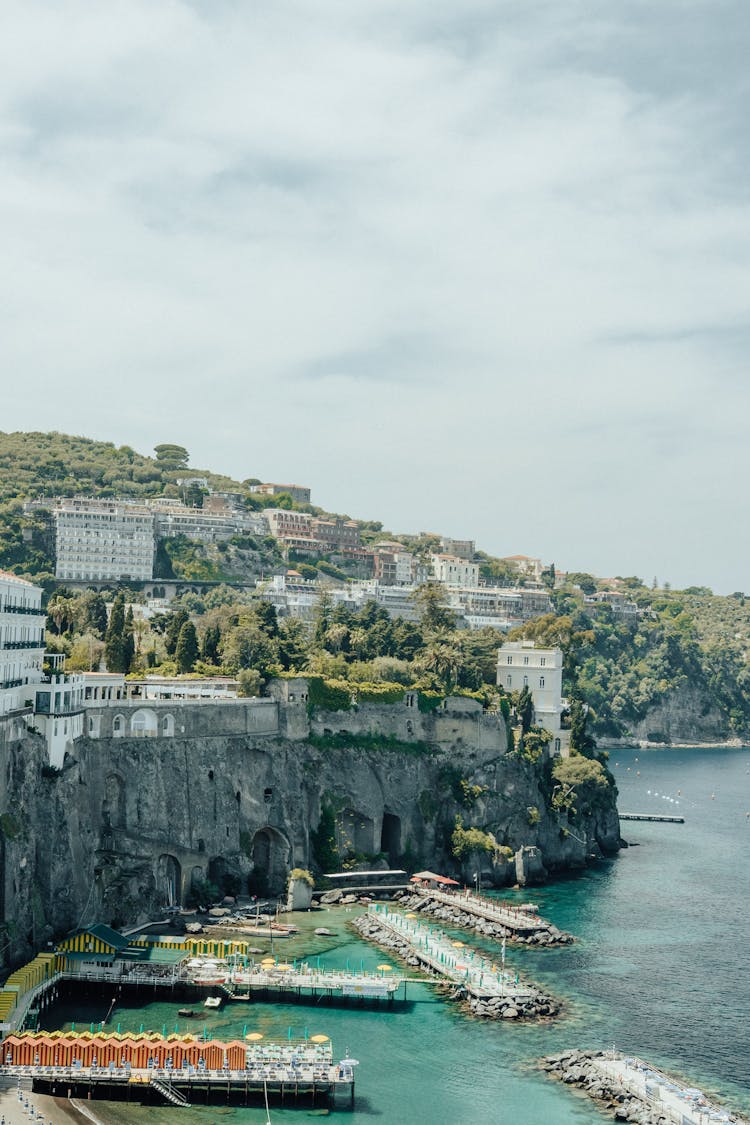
(131, 823)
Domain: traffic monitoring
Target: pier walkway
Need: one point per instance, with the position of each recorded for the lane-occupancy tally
(652, 816)
(681, 1104)
(520, 923)
(454, 962)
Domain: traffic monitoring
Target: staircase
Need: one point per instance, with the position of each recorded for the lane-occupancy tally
(169, 1092)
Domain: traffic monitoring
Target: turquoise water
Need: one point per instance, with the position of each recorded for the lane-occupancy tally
(661, 969)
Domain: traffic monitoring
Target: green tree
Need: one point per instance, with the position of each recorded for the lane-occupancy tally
(95, 614)
(114, 642)
(525, 709)
(171, 457)
(175, 621)
(210, 645)
(432, 613)
(186, 652)
(128, 639)
(580, 739)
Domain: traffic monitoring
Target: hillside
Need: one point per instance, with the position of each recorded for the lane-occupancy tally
(675, 672)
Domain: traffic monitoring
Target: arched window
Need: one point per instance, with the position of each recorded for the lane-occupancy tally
(118, 726)
(541, 681)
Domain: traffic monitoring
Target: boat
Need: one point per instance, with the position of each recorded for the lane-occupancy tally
(212, 1002)
(185, 1012)
(323, 932)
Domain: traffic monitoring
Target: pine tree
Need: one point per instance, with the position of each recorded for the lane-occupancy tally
(114, 641)
(186, 652)
(96, 615)
(128, 640)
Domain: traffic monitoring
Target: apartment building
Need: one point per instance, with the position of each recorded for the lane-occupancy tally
(454, 571)
(22, 624)
(209, 524)
(298, 492)
(393, 565)
(103, 540)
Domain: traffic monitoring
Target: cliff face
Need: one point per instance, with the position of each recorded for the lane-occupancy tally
(131, 822)
(686, 715)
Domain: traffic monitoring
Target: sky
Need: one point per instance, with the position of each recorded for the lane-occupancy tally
(476, 268)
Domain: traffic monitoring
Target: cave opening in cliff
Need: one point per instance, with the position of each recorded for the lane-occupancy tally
(390, 837)
(271, 852)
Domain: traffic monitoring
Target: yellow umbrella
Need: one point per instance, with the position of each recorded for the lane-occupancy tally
(284, 968)
(385, 968)
(318, 1038)
(457, 944)
(409, 915)
(254, 1036)
(268, 961)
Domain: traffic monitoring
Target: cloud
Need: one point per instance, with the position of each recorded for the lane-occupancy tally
(481, 269)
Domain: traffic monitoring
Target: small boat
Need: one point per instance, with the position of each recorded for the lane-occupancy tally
(186, 1012)
(212, 1002)
(323, 932)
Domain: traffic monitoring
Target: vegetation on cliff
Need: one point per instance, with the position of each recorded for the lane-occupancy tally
(683, 648)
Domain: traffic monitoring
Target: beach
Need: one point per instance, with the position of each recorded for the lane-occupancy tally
(54, 1111)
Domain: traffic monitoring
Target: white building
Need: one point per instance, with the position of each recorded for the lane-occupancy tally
(453, 571)
(103, 540)
(22, 624)
(60, 707)
(521, 664)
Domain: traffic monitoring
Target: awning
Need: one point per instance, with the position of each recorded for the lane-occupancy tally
(431, 877)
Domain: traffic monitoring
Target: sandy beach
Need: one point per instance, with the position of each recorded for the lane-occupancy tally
(54, 1111)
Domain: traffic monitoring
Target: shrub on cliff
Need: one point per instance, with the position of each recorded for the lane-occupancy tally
(466, 840)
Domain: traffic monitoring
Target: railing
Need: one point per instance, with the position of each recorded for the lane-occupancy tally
(22, 609)
(11, 683)
(24, 644)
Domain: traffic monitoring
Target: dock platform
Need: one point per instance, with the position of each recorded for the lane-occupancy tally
(493, 916)
(652, 816)
(491, 990)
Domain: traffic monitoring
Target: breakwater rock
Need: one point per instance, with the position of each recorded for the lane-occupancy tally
(578, 1068)
(531, 1004)
(526, 929)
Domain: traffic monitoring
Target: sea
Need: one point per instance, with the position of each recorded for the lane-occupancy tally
(661, 969)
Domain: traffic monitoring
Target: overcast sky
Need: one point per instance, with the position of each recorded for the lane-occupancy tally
(478, 268)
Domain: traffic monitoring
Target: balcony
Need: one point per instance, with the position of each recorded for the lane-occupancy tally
(10, 683)
(22, 609)
(23, 644)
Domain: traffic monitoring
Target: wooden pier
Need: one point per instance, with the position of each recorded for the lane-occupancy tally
(652, 816)
(519, 924)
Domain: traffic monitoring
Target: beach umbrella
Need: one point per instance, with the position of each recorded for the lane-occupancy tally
(254, 1036)
(457, 944)
(319, 1039)
(385, 968)
(283, 968)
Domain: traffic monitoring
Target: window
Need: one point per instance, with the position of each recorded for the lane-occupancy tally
(509, 681)
(541, 681)
(526, 681)
(542, 661)
(526, 660)
(510, 659)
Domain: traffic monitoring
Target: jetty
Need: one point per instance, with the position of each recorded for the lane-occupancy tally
(178, 1070)
(489, 989)
(486, 916)
(652, 816)
(636, 1091)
